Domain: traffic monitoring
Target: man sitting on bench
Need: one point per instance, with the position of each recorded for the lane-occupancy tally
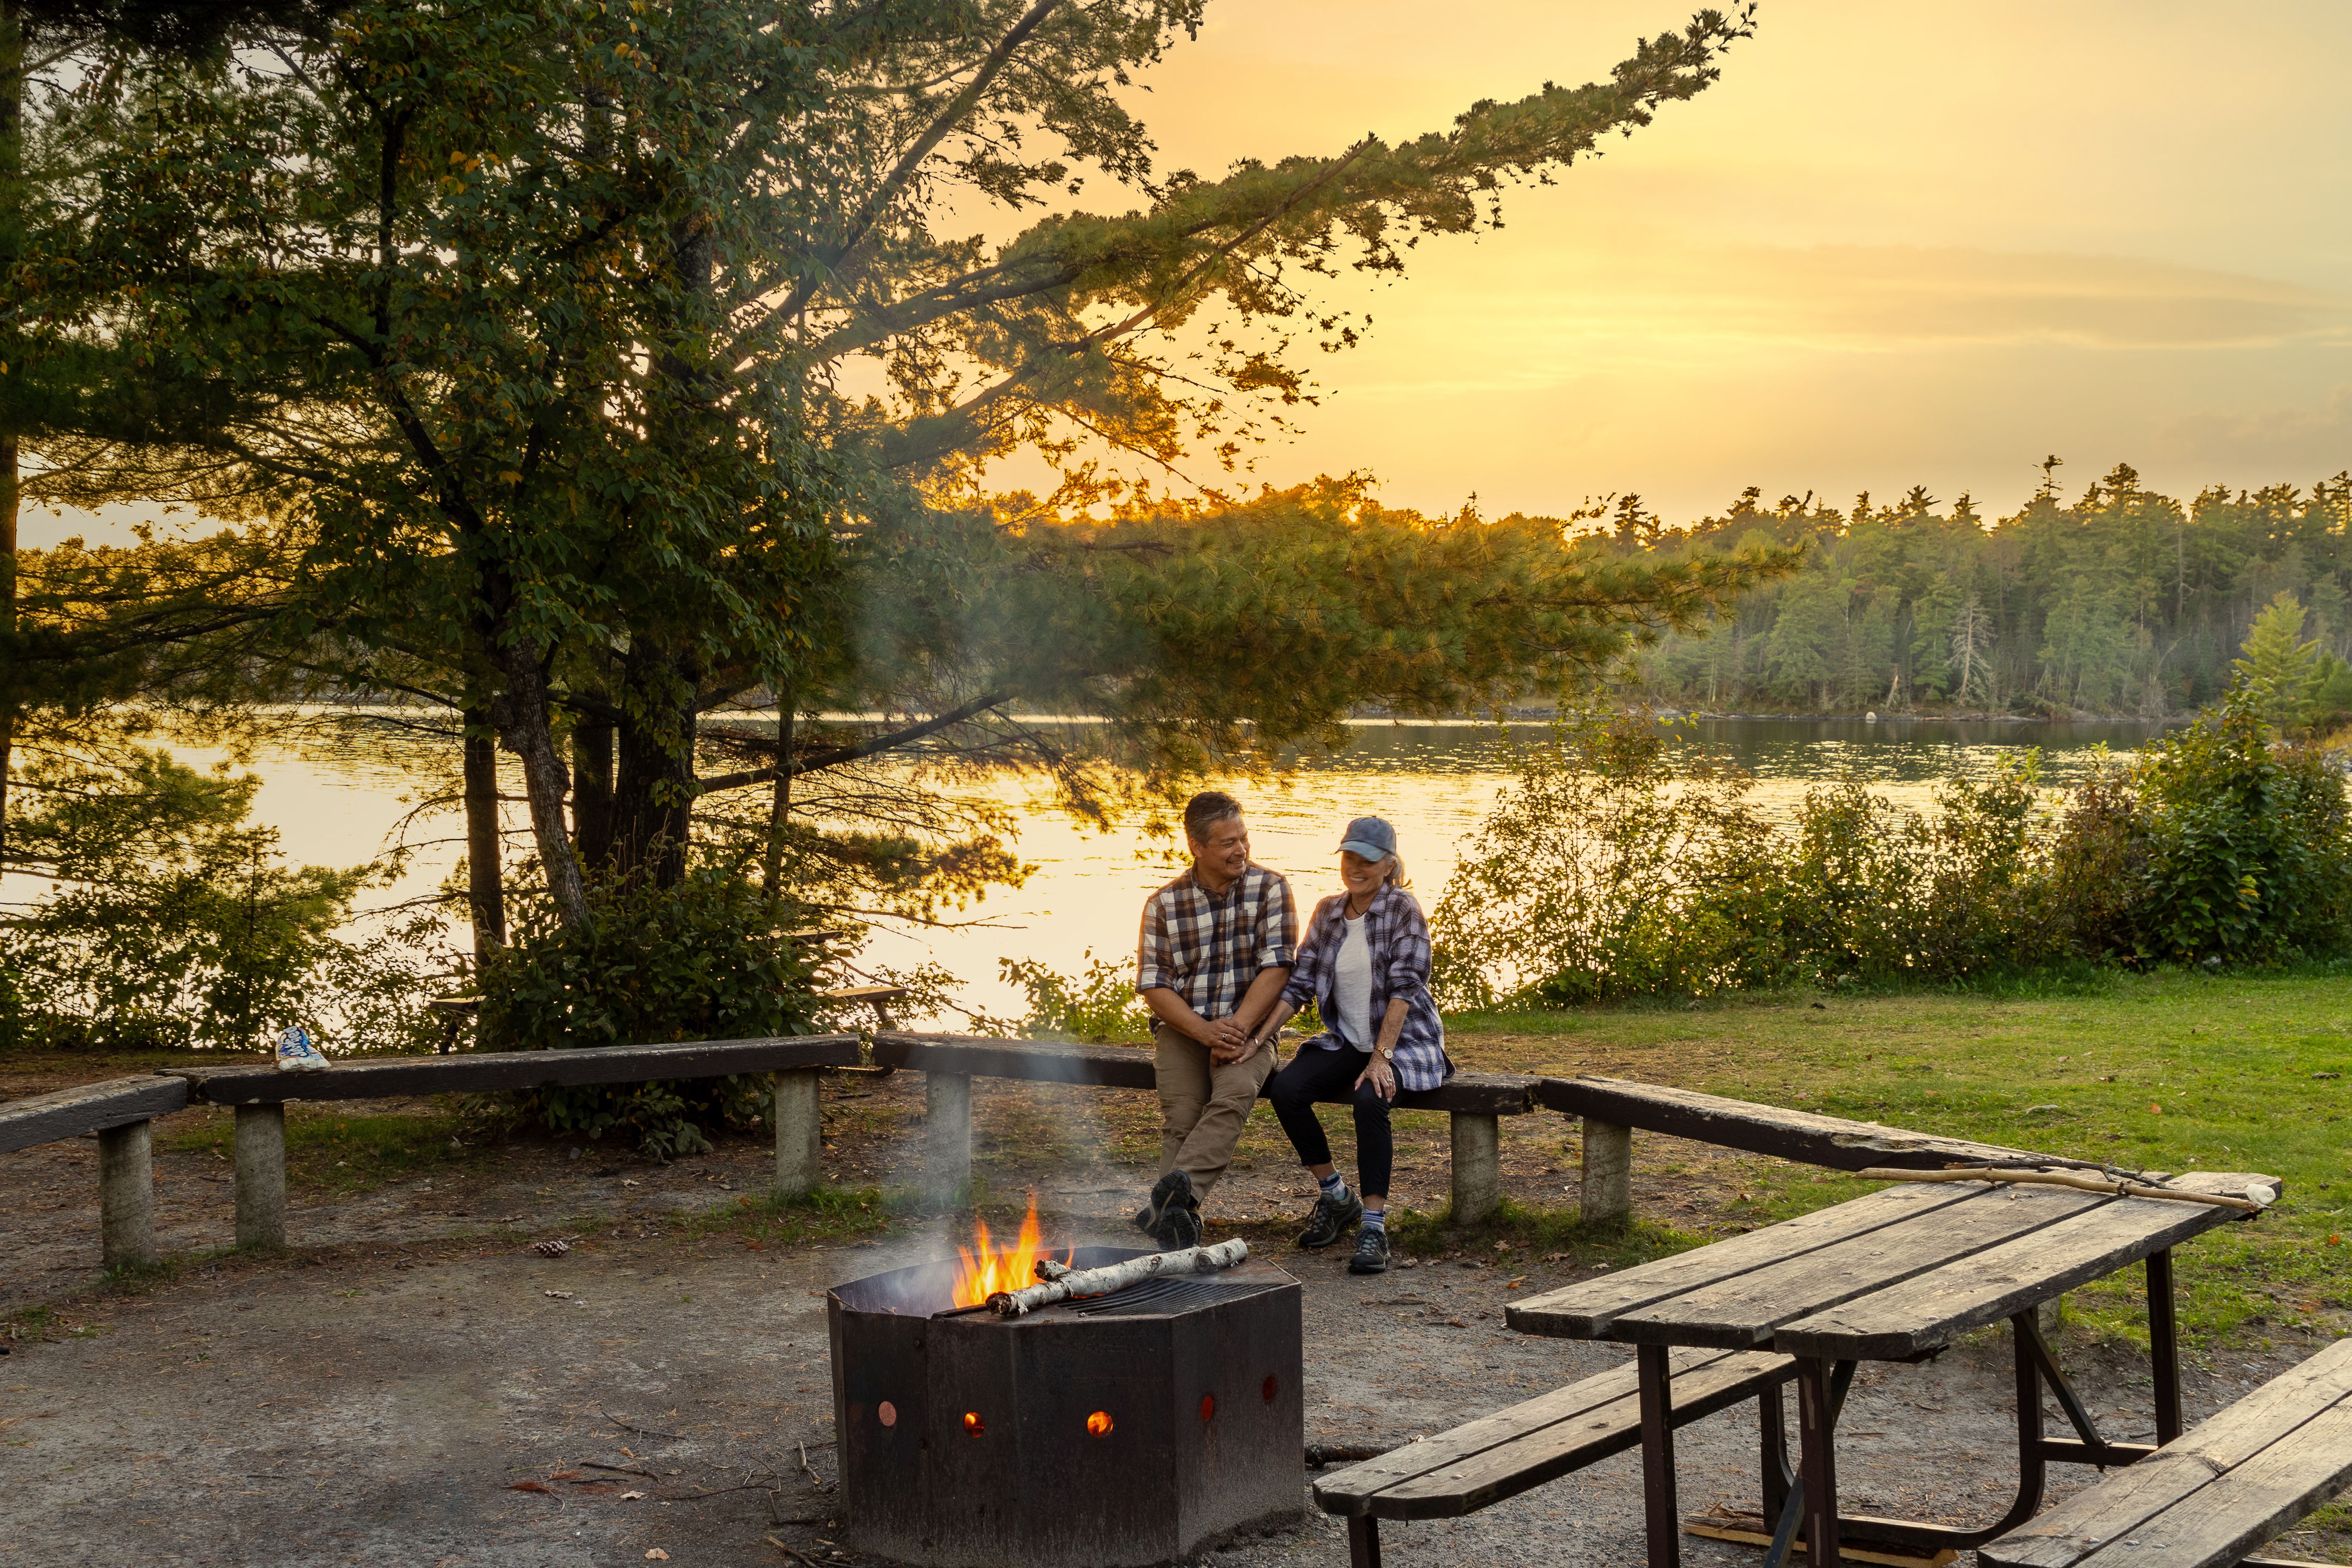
(1216, 946)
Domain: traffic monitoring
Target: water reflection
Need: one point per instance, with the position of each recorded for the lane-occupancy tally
(343, 789)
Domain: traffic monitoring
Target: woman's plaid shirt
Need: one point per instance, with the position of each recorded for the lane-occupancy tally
(1207, 949)
(1398, 934)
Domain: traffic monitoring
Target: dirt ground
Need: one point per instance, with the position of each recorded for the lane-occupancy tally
(411, 1385)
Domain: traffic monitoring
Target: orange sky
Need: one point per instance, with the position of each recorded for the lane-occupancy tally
(1896, 244)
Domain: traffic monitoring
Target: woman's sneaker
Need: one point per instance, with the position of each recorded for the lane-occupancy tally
(1372, 1251)
(1331, 1219)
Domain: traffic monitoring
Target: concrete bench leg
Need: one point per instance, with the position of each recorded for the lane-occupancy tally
(1607, 1196)
(800, 1134)
(1477, 1166)
(261, 1175)
(947, 1136)
(126, 1194)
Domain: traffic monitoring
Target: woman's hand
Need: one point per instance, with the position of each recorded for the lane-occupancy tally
(1381, 1076)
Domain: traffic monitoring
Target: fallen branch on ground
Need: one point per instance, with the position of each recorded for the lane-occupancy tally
(2113, 1186)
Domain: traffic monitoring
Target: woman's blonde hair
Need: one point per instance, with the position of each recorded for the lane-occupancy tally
(1396, 878)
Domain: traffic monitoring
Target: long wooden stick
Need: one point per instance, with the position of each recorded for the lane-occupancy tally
(1118, 1276)
(2114, 1186)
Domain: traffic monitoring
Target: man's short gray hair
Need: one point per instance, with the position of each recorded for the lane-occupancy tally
(1207, 809)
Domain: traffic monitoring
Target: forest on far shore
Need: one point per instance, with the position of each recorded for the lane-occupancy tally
(2123, 601)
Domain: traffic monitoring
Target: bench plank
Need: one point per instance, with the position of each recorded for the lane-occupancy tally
(1540, 1439)
(88, 1108)
(1586, 1311)
(1801, 1135)
(1742, 1311)
(478, 1072)
(1508, 1469)
(1037, 1061)
(2305, 1415)
(1936, 1308)
(1131, 1067)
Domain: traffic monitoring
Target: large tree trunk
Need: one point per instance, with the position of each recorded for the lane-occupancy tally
(523, 714)
(653, 778)
(12, 199)
(485, 885)
(593, 819)
(653, 796)
(779, 804)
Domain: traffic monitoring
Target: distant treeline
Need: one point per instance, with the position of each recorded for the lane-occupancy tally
(2124, 602)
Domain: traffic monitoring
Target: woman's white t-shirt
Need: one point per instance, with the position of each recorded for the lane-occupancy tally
(1351, 986)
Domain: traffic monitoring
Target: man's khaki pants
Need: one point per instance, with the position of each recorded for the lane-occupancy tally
(1202, 1105)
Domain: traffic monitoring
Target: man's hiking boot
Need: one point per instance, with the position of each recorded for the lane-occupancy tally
(1372, 1251)
(1172, 1203)
(1331, 1219)
(1180, 1227)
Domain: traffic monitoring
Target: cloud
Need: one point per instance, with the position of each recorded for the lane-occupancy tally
(2273, 441)
(1650, 299)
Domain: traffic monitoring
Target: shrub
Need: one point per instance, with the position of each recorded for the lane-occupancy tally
(1099, 1008)
(708, 959)
(1621, 866)
(172, 921)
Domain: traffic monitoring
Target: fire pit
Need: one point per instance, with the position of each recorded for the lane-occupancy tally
(1126, 1428)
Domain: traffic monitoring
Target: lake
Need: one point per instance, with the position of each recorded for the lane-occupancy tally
(348, 791)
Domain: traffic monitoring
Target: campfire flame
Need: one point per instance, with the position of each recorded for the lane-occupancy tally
(983, 1269)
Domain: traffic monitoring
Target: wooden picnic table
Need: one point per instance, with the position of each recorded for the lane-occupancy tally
(1895, 1276)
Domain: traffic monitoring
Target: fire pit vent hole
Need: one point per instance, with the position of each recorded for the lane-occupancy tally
(1099, 1424)
(973, 1423)
(1208, 1406)
(1272, 1388)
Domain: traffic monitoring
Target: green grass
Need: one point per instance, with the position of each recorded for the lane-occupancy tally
(345, 1154)
(1515, 1233)
(2170, 1072)
(828, 1214)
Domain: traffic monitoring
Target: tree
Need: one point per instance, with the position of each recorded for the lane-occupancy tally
(2280, 669)
(530, 323)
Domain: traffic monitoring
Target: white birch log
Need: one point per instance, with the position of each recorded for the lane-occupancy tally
(1068, 1283)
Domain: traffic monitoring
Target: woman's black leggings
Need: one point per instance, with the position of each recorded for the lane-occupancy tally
(1317, 1073)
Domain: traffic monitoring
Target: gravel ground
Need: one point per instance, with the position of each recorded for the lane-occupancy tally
(423, 1390)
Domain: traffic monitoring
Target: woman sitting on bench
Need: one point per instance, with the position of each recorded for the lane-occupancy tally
(1365, 965)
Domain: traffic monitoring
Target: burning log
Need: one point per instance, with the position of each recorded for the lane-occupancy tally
(1066, 1283)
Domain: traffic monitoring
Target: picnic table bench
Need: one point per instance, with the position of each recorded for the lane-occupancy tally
(2207, 1499)
(1894, 1276)
(1503, 1455)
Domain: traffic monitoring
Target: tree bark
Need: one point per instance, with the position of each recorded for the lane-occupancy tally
(12, 199)
(523, 721)
(485, 884)
(653, 775)
(592, 792)
(780, 806)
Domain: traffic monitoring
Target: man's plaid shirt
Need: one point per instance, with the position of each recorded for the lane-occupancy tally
(1208, 948)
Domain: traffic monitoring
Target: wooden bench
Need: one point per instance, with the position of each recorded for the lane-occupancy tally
(1612, 1108)
(2214, 1493)
(877, 997)
(1476, 1102)
(121, 1112)
(1503, 1455)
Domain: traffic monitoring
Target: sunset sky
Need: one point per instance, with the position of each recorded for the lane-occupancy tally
(1894, 245)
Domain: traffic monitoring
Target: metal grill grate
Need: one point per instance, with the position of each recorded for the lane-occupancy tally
(1158, 1297)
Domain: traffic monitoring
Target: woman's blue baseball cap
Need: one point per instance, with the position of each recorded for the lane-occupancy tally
(1370, 837)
